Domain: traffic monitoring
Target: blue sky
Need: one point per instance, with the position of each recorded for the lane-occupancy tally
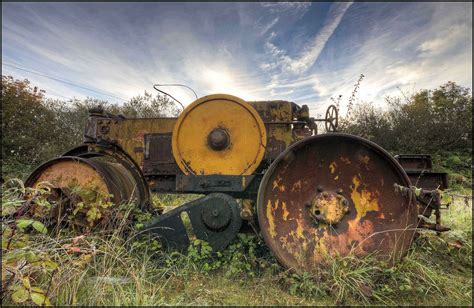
(303, 52)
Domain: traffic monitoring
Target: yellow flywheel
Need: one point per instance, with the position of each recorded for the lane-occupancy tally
(219, 134)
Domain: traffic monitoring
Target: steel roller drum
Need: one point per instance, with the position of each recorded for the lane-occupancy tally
(333, 194)
(99, 181)
(219, 134)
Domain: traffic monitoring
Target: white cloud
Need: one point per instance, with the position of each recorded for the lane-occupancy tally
(269, 26)
(394, 61)
(282, 66)
(293, 7)
(314, 49)
(221, 49)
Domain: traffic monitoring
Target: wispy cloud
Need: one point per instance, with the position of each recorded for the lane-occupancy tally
(283, 66)
(283, 7)
(315, 47)
(392, 59)
(268, 26)
(304, 52)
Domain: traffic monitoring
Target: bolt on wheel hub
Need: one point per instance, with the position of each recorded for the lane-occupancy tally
(328, 207)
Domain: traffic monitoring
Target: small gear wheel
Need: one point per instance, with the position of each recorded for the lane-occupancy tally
(216, 215)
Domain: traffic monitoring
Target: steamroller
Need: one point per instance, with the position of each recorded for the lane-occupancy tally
(260, 166)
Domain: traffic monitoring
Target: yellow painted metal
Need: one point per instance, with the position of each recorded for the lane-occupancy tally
(129, 134)
(239, 119)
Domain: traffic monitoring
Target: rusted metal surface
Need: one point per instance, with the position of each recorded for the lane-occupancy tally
(159, 155)
(274, 111)
(92, 183)
(378, 220)
(428, 180)
(427, 202)
(328, 207)
(115, 154)
(279, 138)
(247, 209)
(146, 140)
(214, 218)
(415, 161)
(126, 133)
(213, 183)
(419, 170)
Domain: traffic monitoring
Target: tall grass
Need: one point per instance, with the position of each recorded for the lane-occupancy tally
(117, 267)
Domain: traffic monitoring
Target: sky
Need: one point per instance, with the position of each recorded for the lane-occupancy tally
(304, 52)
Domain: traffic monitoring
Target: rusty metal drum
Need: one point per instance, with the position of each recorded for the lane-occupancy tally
(78, 184)
(333, 194)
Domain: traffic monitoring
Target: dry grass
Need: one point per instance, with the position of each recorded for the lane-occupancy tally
(112, 269)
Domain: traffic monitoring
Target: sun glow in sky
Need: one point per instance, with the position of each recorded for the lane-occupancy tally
(303, 52)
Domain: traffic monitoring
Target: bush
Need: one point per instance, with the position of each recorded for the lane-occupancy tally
(426, 122)
(35, 129)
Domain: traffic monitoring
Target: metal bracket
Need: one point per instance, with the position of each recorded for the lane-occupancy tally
(428, 200)
(213, 183)
(204, 214)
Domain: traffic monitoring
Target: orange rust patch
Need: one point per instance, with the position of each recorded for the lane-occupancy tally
(364, 201)
(360, 231)
(72, 173)
(332, 167)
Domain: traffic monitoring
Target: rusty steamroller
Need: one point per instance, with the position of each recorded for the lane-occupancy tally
(259, 165)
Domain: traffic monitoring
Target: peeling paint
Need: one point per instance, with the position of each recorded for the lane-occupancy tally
(271, 222)
(296, 186)
(299, 229)
(364, 201)
(285, 211)
(277, 184)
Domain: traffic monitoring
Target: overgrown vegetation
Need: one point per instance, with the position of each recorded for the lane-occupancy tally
(44, 264)
(436, 122)
(423, 122)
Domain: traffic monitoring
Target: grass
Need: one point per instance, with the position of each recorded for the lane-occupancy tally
(116, 268)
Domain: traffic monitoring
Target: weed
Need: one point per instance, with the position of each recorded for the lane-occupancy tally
(116, 266)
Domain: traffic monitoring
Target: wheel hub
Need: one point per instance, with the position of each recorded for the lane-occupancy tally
(218, 139)
(216, 215)
(328, 207)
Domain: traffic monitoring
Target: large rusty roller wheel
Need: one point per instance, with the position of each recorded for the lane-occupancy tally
(333, 194)
(80, 184)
